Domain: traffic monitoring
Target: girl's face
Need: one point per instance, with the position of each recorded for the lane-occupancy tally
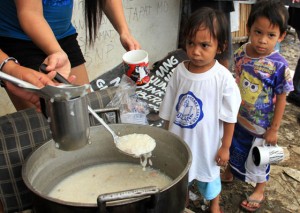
(263, 37)
(201, 51)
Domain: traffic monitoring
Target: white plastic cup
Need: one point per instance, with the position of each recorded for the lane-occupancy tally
(263, 155)
(136, 66)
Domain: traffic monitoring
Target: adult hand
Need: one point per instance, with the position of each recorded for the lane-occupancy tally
(128, 42)
(59, 62)
(36, 78)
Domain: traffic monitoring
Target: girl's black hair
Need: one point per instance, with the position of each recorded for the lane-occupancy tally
(273, 10)
(93, 16)
(214, 20)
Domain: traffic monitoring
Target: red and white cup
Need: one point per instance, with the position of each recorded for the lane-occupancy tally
(136, 66)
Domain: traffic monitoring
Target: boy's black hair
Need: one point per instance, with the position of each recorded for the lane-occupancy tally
(214, 20)
(274, 10)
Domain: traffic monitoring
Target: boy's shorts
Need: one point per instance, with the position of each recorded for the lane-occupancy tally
(209, 190)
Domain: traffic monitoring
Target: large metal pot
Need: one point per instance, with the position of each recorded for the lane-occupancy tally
(48, 165)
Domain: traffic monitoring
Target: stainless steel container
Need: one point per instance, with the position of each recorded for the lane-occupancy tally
(69, 122)
(47, 166)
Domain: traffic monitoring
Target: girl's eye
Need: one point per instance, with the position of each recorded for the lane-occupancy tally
(190, 43)
(204, 45)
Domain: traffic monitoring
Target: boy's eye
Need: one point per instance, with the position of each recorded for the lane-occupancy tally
(272, 35)
(257, 32)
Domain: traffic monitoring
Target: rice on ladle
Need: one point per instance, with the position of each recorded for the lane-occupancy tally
(136, 144)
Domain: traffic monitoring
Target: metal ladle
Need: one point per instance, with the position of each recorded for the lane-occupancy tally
(117, 138)
(60, 92)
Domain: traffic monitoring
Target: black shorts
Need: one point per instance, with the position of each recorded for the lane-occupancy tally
(31, 56)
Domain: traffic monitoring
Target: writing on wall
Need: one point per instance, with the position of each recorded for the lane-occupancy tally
(154, 24)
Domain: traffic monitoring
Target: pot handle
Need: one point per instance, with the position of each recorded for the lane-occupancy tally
(134, 193)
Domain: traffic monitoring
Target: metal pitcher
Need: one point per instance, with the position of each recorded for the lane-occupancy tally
(69, 122)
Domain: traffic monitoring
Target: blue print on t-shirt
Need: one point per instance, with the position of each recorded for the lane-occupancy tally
(189, 110)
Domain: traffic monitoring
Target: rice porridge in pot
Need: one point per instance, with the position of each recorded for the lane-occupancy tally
(87, 184)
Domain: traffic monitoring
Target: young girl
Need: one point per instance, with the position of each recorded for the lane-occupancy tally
(264, 79)
(202, 101)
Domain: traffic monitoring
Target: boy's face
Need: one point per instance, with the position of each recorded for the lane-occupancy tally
(263, 37)
(202, 50)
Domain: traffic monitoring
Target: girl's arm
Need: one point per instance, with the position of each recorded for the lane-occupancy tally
(271, 134)
(223, 153)
(33, 23)
(115, 13)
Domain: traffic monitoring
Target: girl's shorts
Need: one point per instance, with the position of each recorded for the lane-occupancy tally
(31, 56)
(209, 190)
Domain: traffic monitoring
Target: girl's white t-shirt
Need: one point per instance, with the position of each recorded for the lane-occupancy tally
(196, 106)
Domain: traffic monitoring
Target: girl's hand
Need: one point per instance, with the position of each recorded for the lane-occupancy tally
(222, 157)
(271, 136)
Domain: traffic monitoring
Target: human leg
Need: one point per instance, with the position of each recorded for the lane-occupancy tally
(81, 75)
(211, 192)
(227, 176)
(19, 103)
(253, 202)
(215, 205)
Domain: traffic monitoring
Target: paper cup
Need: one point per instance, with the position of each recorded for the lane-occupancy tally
(263, 155)
(136, 66)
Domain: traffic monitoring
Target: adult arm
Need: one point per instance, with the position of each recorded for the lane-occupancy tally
(33, 23)
(36, 78)
(115, 13)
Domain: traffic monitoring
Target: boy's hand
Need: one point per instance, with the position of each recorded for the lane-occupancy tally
(271, 136)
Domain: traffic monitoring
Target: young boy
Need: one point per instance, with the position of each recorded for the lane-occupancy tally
(264, 79)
